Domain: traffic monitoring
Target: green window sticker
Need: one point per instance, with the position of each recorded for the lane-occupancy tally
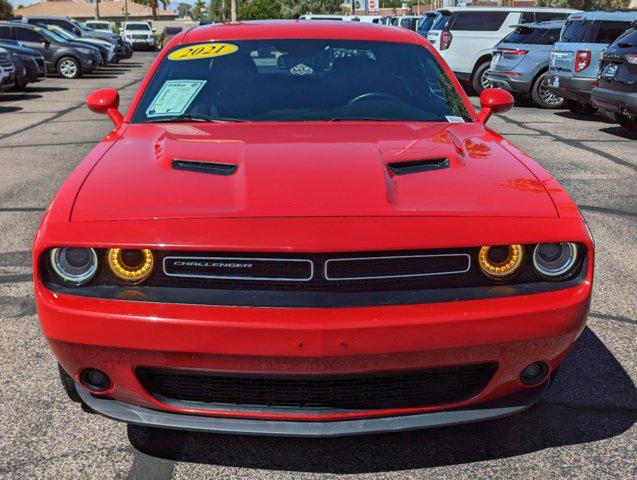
(174, 97)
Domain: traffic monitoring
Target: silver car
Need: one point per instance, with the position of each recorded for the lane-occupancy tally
(520, 62)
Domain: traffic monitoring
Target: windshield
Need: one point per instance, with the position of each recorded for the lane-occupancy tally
(533, 36)
(441, 22)
(51, 35)
(137, 26)
(79, 25)
(63, 33)
(426, 23)
(301, 80)
(574, 31)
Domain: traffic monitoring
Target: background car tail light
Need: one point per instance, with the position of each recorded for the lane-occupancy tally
(631, 58)
(445, 40)
(514, 52)
(130, 265)
(502, 261)
(582, 60)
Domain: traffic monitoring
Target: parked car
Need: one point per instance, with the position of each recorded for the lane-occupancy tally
(406, 268)
(427, 22)
(99, 26)
(167, 34)
(7, 71)
(409, 22)
(467, 38)
(574, 66)
(139, 34)
(32, 62)
(616, 92)
(60, 56)
(106, 48)
(344, 18)
(377, 19)
(520, 62)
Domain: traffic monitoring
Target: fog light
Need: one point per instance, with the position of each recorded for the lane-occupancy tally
(95, 380)
(130, 265)
(534, 373)
(499, 262)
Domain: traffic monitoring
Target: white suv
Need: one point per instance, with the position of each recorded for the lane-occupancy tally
(466, 36)
(139, 34)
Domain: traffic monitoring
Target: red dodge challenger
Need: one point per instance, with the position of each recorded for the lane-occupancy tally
(305, 229)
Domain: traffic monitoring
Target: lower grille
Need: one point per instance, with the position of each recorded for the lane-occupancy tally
(319, 392)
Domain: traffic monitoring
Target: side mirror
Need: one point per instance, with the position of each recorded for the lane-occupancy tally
(106, 101)
(494, 100)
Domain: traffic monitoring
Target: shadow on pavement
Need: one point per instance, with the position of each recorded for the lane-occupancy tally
(620, 132)
(9, 109)
(32, 89)
(13, 96)
(592, 399)
(585, 118)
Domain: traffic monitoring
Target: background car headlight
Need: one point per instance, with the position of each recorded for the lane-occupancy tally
(500, 261)
(75, 266)
(130, 265)
(86, 51)
(554, 260)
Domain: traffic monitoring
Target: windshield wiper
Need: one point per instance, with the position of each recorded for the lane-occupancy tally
(193, 117)
(364, 119)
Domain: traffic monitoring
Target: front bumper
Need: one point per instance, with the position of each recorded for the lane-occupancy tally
(615, 100)
(572, 88)
(118, 336)
(152, 418)
(510, 83)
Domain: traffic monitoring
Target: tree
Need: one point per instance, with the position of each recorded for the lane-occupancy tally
(197, 9)
(295, 8)
(183, 9)
(586, 4)
(259, 10)
(6, 10)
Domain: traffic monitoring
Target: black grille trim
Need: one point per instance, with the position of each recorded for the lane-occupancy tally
(215, 168)
(373, 266)
(317, 393)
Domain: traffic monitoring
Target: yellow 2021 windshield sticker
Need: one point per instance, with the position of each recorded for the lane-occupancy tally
(203, 50)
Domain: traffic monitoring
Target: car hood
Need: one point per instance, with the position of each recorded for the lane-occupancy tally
(309, 170)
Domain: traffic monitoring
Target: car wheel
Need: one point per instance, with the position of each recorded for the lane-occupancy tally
(68, 67)
(629, 123)
(542, 96)
(69, 385)
(480, 81)
(579, 108)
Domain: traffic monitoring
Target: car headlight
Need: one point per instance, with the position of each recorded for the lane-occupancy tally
(499, 262)
(130, 265)
(85, 51)
(553, 260)
(75, 266)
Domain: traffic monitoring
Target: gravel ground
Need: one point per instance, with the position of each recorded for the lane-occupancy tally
(583, 428)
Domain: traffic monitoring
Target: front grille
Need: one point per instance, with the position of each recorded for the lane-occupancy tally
(421, 388)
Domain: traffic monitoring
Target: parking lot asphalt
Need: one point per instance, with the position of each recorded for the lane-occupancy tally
(583, 428)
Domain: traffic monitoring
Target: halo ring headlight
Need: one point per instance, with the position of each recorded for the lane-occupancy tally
(75, 266)
(130, 265)
(553, 260)
(508, 260)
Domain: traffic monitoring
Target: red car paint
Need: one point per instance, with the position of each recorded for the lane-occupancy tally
(338, 198)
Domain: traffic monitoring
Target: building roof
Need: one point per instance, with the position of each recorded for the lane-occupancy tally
(108, 9)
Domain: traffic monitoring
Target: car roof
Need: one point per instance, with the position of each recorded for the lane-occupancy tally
(555, 24)
(290, 29)
(509, 9)
(605, 15)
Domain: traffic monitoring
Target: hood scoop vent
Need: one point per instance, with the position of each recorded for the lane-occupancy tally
(215, 168)
(418, 166)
